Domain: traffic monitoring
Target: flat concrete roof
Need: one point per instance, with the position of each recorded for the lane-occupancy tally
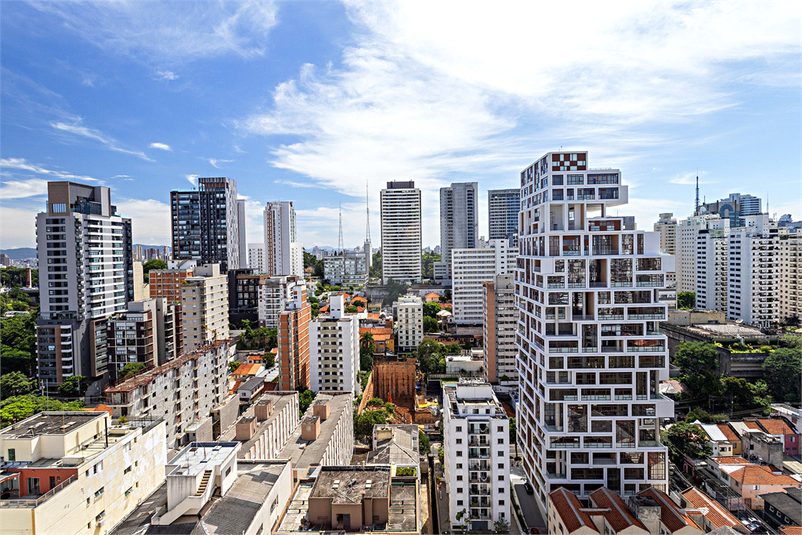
(280, 401)
(304, 453)
(350, 484)
(199, 456)
(50, 423)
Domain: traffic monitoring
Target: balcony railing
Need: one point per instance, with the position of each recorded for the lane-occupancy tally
(35, 501)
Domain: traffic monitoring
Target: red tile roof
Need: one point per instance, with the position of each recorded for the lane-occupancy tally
(776, 426)
(753, 425)
(729, 460)
(670, 514)
(569, 508)
(754, 474)
(619, 517)
(716, 514)
(728, 432)
(791, 530)
(246, 369)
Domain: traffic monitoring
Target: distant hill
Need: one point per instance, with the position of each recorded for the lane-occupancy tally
(19, 254)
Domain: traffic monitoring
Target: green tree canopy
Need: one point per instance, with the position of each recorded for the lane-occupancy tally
(686, 300)
(375, 271)
(698, 362)
(304, 399)
(351, 309)
(424, 443)
(430, 325)
(363, 423)
(783, 368)
(431, 356)
(130, 370)
(73, 386)
(18, 408)
(427, 264)
(430, 310)
(15, 384)
(684, 438)
(150, 265)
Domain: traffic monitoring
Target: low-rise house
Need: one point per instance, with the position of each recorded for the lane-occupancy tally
(250, 390)
(783, 508)
(721, 445)
(707, 513)
(778, 427)
(751, 480)
(76, 472)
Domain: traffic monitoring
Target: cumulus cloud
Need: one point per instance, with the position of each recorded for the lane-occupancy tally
(166, 75)
(160, 146)
(150, 219)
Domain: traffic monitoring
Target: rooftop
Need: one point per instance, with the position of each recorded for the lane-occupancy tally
(670, 514)
(760, 475)
(351, 484)
(716, 514)
(570, 510)
(619, 516)
(789, 502)
(49, 423)
(279, 400)
(199, 456)
(395, 444)
(776, 426)
(304, 453)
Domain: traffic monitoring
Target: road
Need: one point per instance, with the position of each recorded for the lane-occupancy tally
(529, 507)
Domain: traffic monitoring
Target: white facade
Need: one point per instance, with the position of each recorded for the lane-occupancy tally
(243, 240)
(476, 454)
(334, 350)
(349, 267)
(711, 269)
(459, 218)
(790, 251)
(256, 257)
(283, 253)
(754, 277)
(409, 319)
(685, 256)
(204, 307)
(275, 294)
(470, 268)
(591, 352)
(401, 232)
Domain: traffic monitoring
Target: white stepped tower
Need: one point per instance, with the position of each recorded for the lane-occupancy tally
(591, 354)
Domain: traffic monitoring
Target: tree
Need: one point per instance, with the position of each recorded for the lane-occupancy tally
(783, 368)
(394, 290)
(424, 444)
(792, 342)
(375, 271)
(686, 300)
(365, 360)
(232, 366)
(359, 302)
(130, 370)
(304, 399)
(514, 435)
(73, 386)
(705, 417)
(430, 355)
(501, 526)
(363, 423)
(152, 264)
(684, 438)
(430, 325)
(698, 362)
(427, 264)
(742, 394)
(430, 310)
(15, 384)
(269, 360)
(443, 298)
(20, 407)
(351, 309)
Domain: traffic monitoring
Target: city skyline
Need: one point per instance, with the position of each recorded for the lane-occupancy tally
(389, 93)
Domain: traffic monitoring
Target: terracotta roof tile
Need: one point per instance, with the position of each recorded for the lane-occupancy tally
(670, 514)
(729, 460)
(716, 514)
(775, 426)
(619, 517)
(569, 508)
(753, 425)
(761, 475)
(728, 432)
(791, 530)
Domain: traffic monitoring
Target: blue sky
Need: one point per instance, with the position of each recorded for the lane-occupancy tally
(308, 101)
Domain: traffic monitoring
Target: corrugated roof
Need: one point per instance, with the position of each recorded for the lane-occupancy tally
(712, 431)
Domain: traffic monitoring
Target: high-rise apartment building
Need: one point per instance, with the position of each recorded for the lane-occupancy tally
(401, 232)
(256, 257)
(503, 206)
(470, 269)
(790, 253)
(409, 320)
(293, 341)
(476, 455)
(205, 223)
(334, 350)
(667, 227)
(686, 248)
(204, 307)
(347, 267)
(86, 264)
(754, 276)
(148, 332)
(711, 269)
(284, 255)
(498, 330)
(591, 352)
(459, 219)
(166, 283)
(243, 235)
(274, 295)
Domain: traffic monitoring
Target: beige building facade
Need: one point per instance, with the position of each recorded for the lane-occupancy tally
(204, 307)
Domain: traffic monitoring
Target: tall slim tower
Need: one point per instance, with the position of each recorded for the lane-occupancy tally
(696, 204)
(459, 219)
(206, 223)
(401, 232)
(591, 354)
(86, 246)
(283, 251)
(243, 235)
(503, 206)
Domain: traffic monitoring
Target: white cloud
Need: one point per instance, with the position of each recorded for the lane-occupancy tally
(297, 184)
(193, 179)
(168, 33)
(430, 92)
(689, 178)
(23, 165)
(150, 219)
(215, 161)
(166, 75)
(79, 130)
(20, 189)
(19, 225)
(160, 146)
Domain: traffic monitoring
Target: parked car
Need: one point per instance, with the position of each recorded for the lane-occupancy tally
(528, 488)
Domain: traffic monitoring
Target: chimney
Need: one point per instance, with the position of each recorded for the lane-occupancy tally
(263, 410)
(310, 428)
(321, 408)
(245, 428)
